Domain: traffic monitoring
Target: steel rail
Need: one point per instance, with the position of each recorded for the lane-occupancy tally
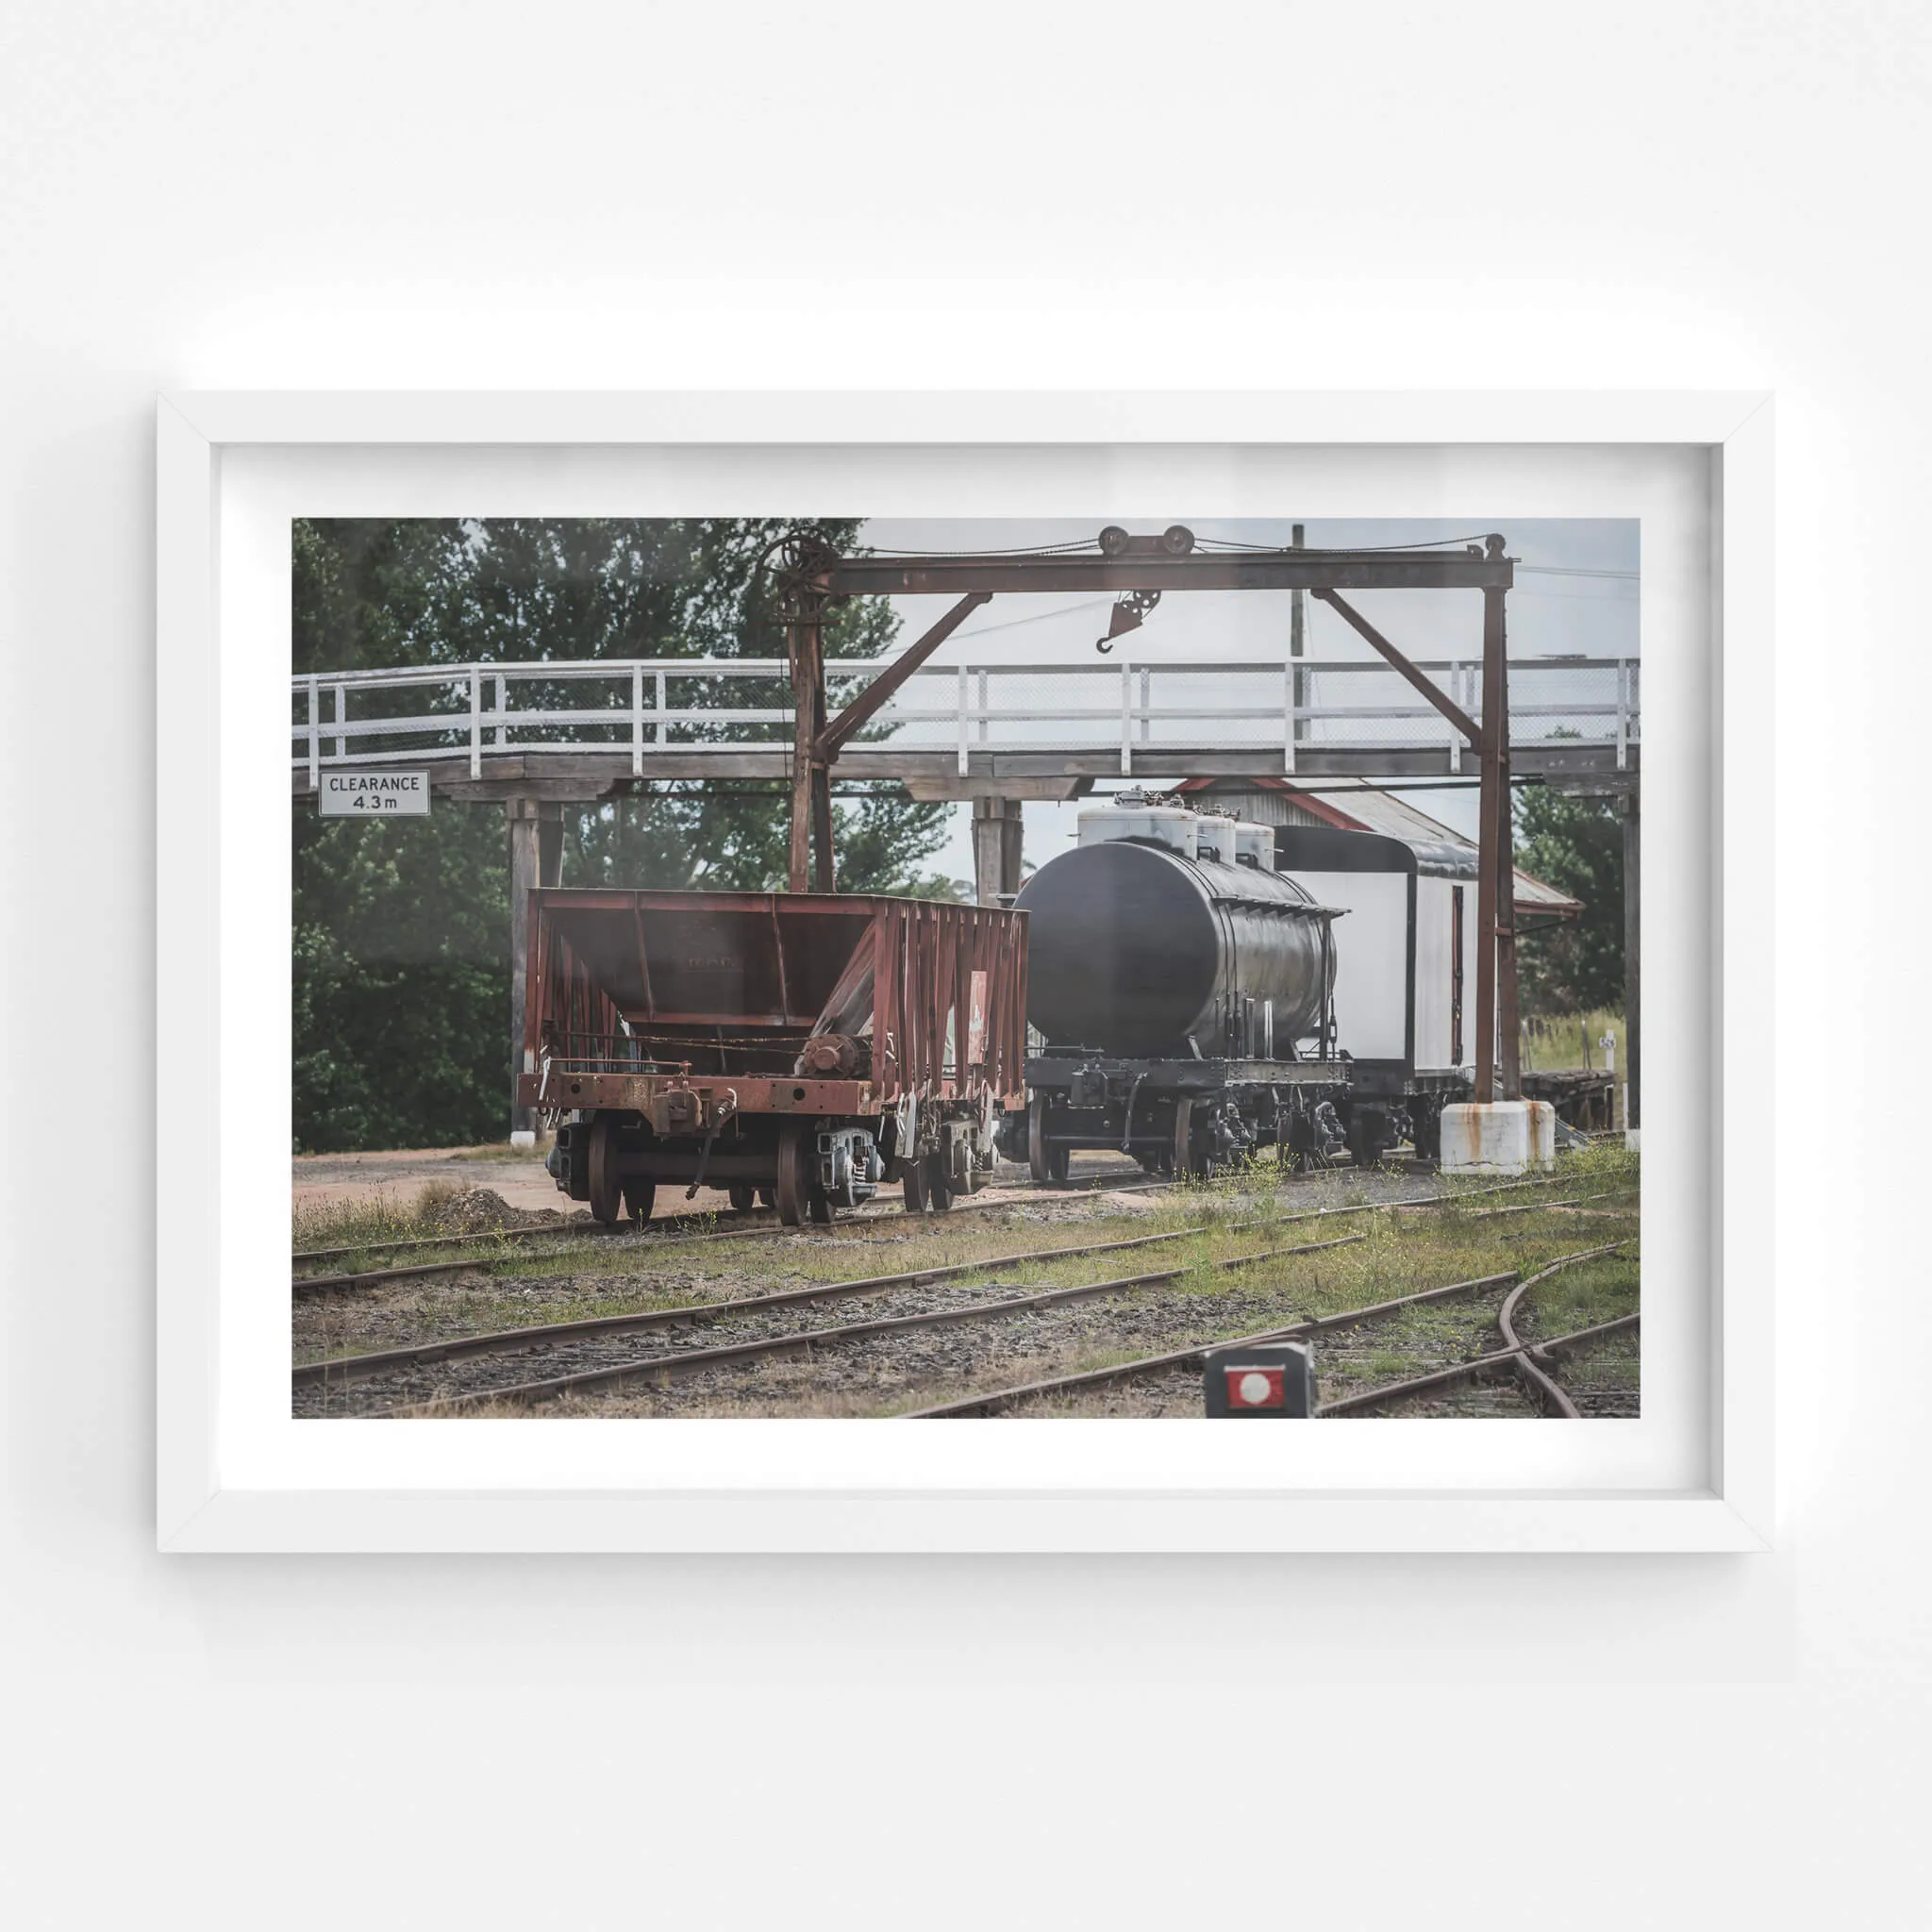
(662, 1230)
(1572, 1205)
(998, 1399)
(1462, 1372)
(303, 1285)
(803, 1340)
(355, 1368)
(1515, 1353)
(1527, 1366)
(509, 1340)
(638, 1234)
(536, 1231)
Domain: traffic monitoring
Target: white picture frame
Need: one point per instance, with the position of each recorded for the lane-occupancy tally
(210, 1498)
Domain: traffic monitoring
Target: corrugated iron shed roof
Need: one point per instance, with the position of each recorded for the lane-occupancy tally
(1355, 805)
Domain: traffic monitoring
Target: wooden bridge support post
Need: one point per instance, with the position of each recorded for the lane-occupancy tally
(536, 859)
(996, 849)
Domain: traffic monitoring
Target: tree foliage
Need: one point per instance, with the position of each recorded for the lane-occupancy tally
(1575, 844)
(401, 968)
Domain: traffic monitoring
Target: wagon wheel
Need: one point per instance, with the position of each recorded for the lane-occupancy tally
(607, 1185)
(800, 1197)
(741, 1194)
(793, 1190)
(639, 1191)
(1188, 1165)
(915, 1186)
(1046, 1161)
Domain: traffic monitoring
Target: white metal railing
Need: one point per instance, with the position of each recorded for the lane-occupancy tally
(614, 707)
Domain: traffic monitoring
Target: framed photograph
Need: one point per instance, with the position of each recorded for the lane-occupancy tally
(891, 973)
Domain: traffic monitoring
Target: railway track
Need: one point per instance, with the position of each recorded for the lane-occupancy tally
(593, 1355)
(1174, 1360)
(571, 1226)
(712, 1220)
(1531, 1361)
(340, 1370)
(573, 1234)
(758, 1225)
(970, 1308)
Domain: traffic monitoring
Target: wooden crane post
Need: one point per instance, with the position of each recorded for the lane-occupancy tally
(811, 859)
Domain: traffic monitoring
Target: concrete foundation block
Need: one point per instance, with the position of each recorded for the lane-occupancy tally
(523, 1137)
(1504, 1136)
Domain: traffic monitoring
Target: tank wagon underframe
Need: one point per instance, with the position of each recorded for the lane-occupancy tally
(1197, 1117)
(800, 1048)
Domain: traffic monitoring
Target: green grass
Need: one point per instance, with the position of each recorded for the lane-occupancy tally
(1556, 1041)
(370, 1221)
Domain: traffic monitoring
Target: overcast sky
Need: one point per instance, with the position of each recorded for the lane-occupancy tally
(1576, 593)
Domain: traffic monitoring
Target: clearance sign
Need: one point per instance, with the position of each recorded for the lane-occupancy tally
(374, 795)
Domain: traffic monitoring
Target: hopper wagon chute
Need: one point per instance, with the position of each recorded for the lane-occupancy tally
(795, 1048)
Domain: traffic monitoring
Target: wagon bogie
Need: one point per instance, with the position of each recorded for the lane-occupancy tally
(1188, 1119)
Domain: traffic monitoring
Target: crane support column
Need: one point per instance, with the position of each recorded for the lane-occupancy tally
(1498, 1043)
(811, 859)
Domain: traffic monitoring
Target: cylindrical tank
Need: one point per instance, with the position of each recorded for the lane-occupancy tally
(1133, 947)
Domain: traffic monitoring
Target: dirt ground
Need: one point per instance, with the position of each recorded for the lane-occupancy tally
(330, 1180)
(333, 1180)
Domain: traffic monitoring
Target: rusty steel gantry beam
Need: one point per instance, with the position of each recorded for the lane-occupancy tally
(1140, 570)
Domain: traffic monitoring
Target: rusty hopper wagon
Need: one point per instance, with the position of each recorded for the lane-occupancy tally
(796, 1048)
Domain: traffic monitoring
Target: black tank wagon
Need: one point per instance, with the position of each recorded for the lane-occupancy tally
(1185, 991)
(1204, 988)
(798, 1048)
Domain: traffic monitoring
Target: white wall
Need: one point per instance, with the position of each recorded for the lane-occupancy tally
(1383, 195)
(1435, 971)
(1371, 958)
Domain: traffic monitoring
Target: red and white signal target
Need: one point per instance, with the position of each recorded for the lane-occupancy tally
(1259, 1387)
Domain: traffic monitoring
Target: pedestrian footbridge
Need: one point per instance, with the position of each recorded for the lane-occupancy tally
(583, 730)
